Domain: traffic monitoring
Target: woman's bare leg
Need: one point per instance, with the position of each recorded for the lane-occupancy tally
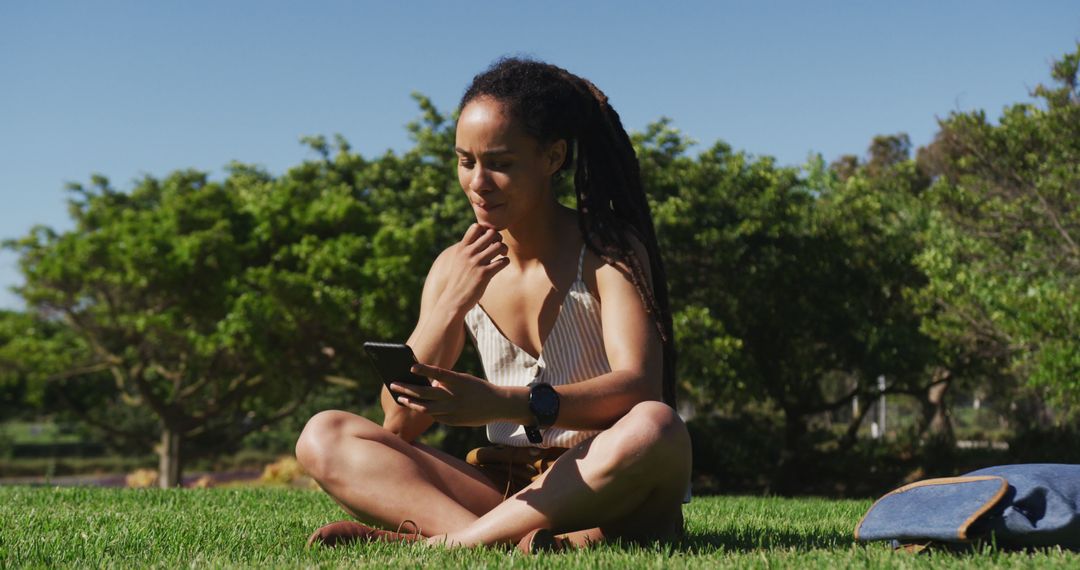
(379, 478)
(629, 480)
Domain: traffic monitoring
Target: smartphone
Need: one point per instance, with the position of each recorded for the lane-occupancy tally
(392, 361)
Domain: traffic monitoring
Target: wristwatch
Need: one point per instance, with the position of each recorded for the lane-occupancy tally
(544, 407)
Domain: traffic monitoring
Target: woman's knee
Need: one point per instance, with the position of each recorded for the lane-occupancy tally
(655, 422)
(315, 448)
(649, 430)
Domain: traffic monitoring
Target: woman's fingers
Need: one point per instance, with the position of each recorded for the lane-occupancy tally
(433, 408)
(488, 237)
(443, 376)
(474, 231)
(497, 265)
(413, 405)
(492, 251)
(434, 372)
(419, 392)
(442, 412)
(486, 248)
(455, 398)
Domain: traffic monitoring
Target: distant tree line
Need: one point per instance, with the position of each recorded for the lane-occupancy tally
(185, 313)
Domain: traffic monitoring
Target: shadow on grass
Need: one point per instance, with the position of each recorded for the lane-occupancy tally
(740, 541)
(745, 541)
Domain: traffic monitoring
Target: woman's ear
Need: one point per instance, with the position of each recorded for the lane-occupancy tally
(556, 156)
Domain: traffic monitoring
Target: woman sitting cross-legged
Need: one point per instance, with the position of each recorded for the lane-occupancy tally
(568, 310)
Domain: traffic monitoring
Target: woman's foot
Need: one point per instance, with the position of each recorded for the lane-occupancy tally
(345, 532)
(443, 541)
(538, 540)
(543, 540)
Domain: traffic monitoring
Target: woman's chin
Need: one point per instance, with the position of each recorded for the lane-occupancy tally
(487, 219)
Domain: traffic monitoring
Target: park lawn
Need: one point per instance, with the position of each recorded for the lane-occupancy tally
(266, 527)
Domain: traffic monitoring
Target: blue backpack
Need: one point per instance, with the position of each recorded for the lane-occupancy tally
(1018, 506)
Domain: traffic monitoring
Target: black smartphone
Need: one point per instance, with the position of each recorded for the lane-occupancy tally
(392, 361)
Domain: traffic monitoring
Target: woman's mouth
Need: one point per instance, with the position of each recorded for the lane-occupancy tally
(488, 207)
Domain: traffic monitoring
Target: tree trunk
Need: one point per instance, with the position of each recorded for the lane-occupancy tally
(936, 422)
(169, 466)
(851, 435)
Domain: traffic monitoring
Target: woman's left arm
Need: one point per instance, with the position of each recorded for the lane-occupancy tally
(634, 351)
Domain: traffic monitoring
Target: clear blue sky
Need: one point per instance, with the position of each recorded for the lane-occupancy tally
(125, 88)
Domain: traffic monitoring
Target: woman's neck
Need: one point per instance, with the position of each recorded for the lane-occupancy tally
(541, 237)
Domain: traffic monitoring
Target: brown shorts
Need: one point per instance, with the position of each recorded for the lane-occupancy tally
(513, 468)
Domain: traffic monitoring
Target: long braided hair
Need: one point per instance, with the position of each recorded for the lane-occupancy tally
(550, 104)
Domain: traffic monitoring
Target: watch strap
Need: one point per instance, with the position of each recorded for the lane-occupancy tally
(533, 433)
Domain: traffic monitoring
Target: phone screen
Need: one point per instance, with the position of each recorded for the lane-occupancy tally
(392, 361)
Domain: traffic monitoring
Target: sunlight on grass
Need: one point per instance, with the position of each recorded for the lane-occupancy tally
(260, 527)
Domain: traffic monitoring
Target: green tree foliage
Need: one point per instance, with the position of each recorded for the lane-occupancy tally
(21, 358)
(1003, 254)
(217, 307)
(39, 361)
(783, 284)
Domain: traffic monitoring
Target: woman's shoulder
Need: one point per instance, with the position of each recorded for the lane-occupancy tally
(602, 272)
(444, 261)
(440, 268)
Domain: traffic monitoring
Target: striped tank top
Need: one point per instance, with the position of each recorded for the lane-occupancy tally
(572, 352)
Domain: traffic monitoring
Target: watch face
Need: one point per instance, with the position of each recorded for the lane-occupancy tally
(544, 403)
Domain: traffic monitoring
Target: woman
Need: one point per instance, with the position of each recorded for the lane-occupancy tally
(570, 316)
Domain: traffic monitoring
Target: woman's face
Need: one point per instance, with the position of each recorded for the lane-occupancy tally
(505, 173)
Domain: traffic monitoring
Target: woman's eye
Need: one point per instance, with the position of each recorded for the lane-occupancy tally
(497, 166)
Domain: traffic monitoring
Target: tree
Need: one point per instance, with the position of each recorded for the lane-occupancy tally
(217, 307)
(1003, 255)
(781, 284)
(21, 356)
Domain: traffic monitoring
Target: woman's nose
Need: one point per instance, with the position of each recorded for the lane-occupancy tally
(479, 182)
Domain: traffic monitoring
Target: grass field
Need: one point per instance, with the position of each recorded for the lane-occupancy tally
(265, 527)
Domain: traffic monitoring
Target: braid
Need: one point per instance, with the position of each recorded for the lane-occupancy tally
(551, 104)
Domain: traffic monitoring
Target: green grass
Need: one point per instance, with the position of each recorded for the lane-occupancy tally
(261, 527)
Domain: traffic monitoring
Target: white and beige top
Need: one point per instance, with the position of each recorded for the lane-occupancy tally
(572, 352)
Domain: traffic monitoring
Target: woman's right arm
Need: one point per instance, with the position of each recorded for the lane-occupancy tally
(454, 284)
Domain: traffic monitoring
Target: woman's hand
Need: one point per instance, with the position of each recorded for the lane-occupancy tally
(454, 398)
(473, 263)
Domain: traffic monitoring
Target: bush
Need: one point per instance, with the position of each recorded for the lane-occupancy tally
(734, 454)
